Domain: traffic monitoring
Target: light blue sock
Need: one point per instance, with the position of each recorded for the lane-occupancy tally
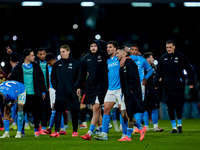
(92, 127)
(124, 126)
(173, 122)
(43, 128)
(146, 118)
(15, 121)
(120, 118)
(113, 114)
(6, 125)
(52, 119)
(179, 122)
(129, 132)
(100, 129)
(62, 122)
(20, 120)
(138, 125)
(154, 116)
(26, 118)
(138, 117)
(105, 123)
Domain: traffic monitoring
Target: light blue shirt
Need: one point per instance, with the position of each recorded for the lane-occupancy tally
(142, 65)
(113, 73)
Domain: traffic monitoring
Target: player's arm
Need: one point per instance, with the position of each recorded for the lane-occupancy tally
(13, 111)
(149, 70)
(158, 74)
(81, 77)
(7, 112)
(54, 80)
(190, 71)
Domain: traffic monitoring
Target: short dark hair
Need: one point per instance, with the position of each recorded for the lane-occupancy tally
(40, 49)
(27, 52)
(170, 42)
(49, 56)
(1, 99)
(121, 48)
(135, 45)
(114, 43)
(147, 55)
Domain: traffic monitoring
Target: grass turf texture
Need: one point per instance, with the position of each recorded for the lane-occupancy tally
(189, 139)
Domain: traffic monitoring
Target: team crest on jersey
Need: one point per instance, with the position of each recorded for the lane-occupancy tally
(70, 64)
(88, 59)
(176, 58)
(99, 57)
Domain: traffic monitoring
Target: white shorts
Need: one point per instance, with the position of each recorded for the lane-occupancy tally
(123, 106)
(52, 95)
(113, 96)
(21, 99)
(97, 100)
(143, 91)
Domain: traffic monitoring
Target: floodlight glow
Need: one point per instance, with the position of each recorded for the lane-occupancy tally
(58, 57)
(14, 37)
(3, 64)
(141, 4)
(98, 37)
(75, 26)
(191, 4)
(32, 3)
(155, 62)
(87, 4)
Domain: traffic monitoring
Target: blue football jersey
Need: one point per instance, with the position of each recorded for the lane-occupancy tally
(113, 73)
(11, 90)
(142, 66)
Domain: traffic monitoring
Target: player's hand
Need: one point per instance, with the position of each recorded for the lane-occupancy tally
(191, 86)
(78, 92)
(43, 96)
(122, 62)
(11, 120)
(9, 51)
(127, 49)
(139, 54)
(144, 81)
(156, 88)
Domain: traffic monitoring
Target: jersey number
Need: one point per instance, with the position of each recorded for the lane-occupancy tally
(12, 82)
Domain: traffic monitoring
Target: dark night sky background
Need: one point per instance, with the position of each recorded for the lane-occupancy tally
(50, 26)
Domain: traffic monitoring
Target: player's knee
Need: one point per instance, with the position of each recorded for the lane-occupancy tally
(6, 117)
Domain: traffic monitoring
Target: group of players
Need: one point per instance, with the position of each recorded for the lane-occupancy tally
(119, 74)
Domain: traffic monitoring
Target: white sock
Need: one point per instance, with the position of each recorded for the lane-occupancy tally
(26, 124)
(84, 123)
(155, 126)
(115, 124)
(90, 133)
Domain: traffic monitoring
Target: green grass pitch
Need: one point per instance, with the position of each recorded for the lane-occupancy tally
(189, 139)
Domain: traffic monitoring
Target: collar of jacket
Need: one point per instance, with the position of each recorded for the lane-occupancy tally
(65, 60)
(94, 54)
